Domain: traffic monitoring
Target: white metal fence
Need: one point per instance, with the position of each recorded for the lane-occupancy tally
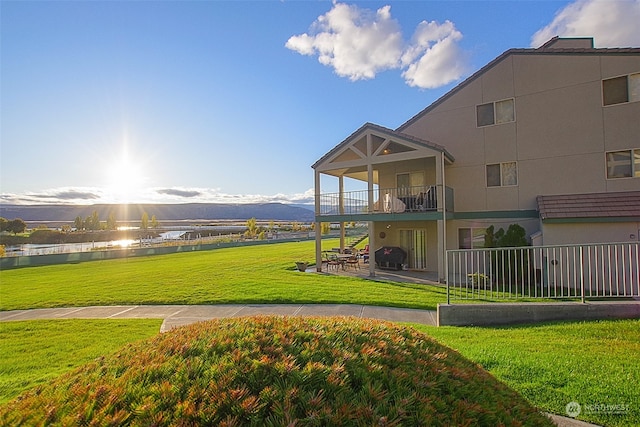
(572, 271)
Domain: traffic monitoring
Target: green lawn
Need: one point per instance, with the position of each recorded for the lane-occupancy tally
(253, 274)
(592, 363)
(34, 352)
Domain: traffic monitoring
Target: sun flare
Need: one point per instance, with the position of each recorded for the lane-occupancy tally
(125, 179)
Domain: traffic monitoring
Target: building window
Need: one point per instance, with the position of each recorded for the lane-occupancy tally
(623, 164)
(471, 238)
(502, 174)
(495, 113)
(621, 89)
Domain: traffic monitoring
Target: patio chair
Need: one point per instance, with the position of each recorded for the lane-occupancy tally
(331, 261)
(353, 261)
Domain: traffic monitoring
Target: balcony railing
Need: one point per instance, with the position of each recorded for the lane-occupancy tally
(385, 200)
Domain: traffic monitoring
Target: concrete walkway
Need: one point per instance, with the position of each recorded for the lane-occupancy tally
(179, 315)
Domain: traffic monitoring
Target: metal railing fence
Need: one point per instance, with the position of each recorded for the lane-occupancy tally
(386, 200)
(567, 271)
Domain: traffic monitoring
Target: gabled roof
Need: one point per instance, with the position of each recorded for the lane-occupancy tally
(624, 204)
(389, 133)
(552, 47)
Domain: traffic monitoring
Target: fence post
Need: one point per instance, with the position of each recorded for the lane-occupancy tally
(581, 275)
(446, 273)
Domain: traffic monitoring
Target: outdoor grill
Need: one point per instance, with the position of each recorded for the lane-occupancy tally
(391, 257)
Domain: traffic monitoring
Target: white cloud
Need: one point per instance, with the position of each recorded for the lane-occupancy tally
(434, 57)
(610, 23)
(359, 43)
(86, 195)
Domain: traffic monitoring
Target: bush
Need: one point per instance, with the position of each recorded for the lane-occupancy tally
(277, 371)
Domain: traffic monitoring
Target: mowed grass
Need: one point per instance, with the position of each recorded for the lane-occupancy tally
(250, 274)
(34, 352)
(592, 363)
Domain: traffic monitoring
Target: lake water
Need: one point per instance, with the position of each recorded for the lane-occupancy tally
(174, 236)
(65, 248)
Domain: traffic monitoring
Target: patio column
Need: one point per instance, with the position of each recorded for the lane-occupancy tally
(372, 263)
(318, 224)
(341, 210)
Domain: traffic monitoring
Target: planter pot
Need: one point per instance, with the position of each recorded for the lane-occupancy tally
(302, 266)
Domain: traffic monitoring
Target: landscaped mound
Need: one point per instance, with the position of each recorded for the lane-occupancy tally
(277, 371)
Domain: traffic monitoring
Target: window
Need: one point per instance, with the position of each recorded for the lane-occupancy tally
(502, 174)
(621, 89)
(504, 111)
(410, 183)
(471, 238)
(623, 164)
(485, 114)
(495, 113)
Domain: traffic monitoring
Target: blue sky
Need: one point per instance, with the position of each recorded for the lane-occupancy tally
(231, 102)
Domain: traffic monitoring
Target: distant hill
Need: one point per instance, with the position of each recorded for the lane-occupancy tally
(163, 212)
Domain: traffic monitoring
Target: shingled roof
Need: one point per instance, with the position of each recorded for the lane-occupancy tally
(621, 205)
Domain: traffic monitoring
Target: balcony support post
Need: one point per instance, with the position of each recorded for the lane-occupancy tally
(318, 224)
(341, 210)
(370, 197)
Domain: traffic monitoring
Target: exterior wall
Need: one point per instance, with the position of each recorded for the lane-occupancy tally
(578, 233)
(392, 237)
(560, 134)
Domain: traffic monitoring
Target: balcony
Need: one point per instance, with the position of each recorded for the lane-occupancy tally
(405, 200)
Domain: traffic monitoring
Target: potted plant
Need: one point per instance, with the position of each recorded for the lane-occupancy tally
(478, 280)
(302, 265)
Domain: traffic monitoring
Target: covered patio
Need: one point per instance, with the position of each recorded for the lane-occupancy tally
(384, 178)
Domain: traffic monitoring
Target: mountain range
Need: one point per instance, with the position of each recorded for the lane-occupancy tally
(163, 212)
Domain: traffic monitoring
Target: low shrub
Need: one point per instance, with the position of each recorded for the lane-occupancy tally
(277, 371)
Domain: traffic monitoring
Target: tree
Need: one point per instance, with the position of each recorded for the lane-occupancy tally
(144, 222)
(252, 228)
(78, 223)
(509, 265)
(515, 236)
(154, 222)
(3, 251)
(325, 228)
(112, 223)
(16, 226)
(92, 222)
(3, 223)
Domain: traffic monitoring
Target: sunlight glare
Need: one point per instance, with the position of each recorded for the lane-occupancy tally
(125, 179)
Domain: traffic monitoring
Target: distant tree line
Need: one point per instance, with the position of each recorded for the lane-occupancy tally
(93, 223)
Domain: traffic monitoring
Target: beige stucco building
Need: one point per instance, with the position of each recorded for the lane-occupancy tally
(547, 138)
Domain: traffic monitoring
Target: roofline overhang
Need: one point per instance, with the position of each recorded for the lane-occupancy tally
(389, 133)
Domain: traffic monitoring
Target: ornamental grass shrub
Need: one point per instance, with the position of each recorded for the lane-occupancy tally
(277, 371)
